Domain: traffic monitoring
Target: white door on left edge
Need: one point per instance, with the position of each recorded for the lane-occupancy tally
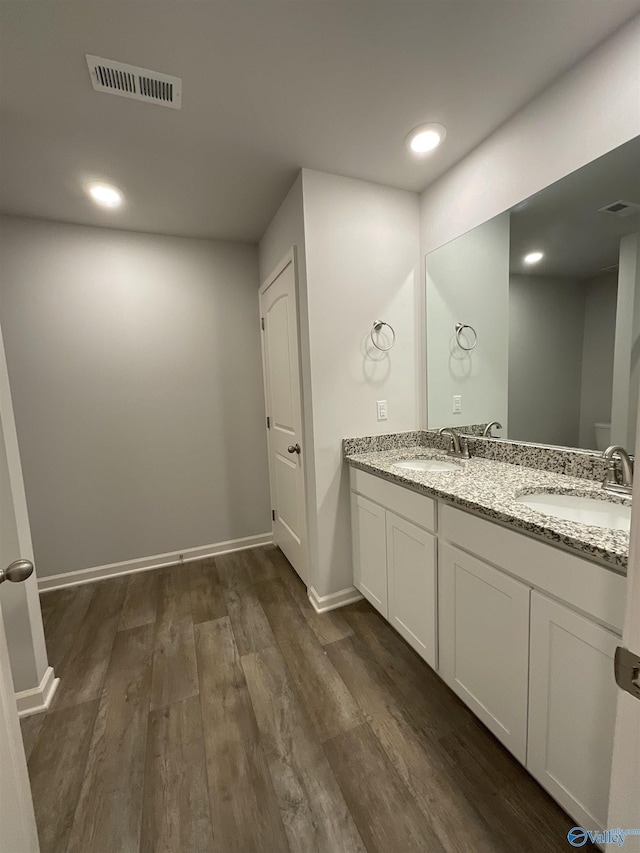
(16, 807)
(17, 820)
(281, 359)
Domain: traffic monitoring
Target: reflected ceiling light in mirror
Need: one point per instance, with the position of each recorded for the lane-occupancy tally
(533, 257)
(105, 195)
(425, 138)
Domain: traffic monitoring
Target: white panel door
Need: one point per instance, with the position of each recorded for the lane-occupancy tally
(281, 362)
(17, 820)
(484, 643)
(572, 709)
(411, 568)
(368, 536)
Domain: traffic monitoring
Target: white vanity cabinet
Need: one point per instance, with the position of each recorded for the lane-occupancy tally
(394, 558)
(411, 583)
(484, 643)
(571, 708)
(568, 711)
(368, 539)
(524, 633)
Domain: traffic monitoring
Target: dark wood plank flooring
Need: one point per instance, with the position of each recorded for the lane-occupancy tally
(208, 707)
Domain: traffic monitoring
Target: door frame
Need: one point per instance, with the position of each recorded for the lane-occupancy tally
(17, 797)
(24, 615)
(290, 257)
(624, 793)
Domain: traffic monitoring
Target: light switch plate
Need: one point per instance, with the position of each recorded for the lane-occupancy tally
(381, 407)
(457, 404)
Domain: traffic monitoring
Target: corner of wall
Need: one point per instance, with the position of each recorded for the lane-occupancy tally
(362, 253)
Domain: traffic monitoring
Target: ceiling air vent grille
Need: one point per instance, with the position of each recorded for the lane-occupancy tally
(621, 208)
(129, 81)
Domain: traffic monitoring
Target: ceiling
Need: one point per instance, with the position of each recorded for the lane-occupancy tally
(268, 87)
(564, 220)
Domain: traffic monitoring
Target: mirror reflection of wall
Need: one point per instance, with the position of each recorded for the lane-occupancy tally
(468, 282)
(555, 300)
(561, 345)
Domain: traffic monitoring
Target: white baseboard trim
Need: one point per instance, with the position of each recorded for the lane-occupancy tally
(322, 603)
(39, 698)
(144, 564)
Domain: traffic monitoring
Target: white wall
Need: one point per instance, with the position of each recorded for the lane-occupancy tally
(601, 295)
(285, 230)
(467, 281)
(362, 262)
(135, 370)
(590, 110)
(546, 326)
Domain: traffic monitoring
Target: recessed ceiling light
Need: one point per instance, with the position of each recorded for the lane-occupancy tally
(105, 195)
(425, 138)
(533, 257)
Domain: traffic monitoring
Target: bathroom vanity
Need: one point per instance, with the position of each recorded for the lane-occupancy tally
(519, 612)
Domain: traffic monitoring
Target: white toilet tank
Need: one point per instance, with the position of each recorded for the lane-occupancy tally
(603, 436)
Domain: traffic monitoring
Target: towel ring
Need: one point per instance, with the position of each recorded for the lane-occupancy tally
(460, 327)
(377, 325)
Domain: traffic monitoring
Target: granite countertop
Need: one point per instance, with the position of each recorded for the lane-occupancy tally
(490, 488)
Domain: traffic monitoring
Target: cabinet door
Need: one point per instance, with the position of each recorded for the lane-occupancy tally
(368, 535)
(571, 709)
(484, 643)
(411, 566)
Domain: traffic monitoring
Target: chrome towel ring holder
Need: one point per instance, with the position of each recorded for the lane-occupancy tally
(377, 326)
(460, 327)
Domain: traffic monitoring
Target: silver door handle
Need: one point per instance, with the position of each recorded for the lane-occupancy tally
(17, 571)
(294, 448)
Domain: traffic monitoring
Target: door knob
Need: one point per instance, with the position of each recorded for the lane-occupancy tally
(294, 448)
(17, 571)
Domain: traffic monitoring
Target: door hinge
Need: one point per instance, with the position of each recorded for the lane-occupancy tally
(262, 323)
(627, 670)
(268, 422)
(273, 515)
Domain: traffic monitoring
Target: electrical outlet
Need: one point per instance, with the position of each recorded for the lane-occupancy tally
(457, 404)
(381, 407)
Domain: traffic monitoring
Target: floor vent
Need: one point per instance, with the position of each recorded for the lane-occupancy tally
(129, 81)
(621, 208)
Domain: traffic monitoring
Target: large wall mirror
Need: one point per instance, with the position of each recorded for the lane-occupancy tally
(548, 298)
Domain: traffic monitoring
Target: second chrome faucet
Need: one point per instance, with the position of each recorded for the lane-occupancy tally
(610, 483)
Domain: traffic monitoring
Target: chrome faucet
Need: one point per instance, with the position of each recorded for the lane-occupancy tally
(489, 427)
(457, 447)
(610, 482)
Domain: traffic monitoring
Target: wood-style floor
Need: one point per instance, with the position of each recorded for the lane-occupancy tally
(207, 707)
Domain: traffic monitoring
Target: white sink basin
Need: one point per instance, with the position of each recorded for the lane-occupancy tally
(581, 509)
(432, 465)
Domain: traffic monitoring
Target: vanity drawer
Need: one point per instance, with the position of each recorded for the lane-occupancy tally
(417, 508)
